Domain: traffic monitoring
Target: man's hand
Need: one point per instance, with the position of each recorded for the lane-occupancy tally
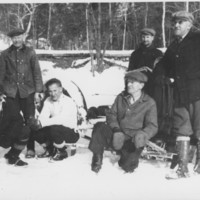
(34, 123)
(140, 139)
(118, 140)
(2, 99)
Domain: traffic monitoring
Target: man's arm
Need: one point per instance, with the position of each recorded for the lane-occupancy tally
(2, 69)
(37, 75)
(67, 116)
(111, 117)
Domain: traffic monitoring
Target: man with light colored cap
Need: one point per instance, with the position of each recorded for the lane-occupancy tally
(145, 56)
(20, 75)
(181, 64)
(130, 123)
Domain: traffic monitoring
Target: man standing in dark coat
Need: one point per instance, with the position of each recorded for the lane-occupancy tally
(145, 56)
(130, 123)
(181, 64)
(13, 132)
(20, 74)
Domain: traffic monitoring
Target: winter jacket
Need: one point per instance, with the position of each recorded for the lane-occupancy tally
(145, 57)
(133, 118)
(182, 63)
(20, 71)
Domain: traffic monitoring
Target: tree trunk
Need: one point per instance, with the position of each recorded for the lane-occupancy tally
(110, 24)
(163, 24)
(125, 22)
(49, 25)
(146, 14)
(87, 25)
(98, 43)
(187, 6)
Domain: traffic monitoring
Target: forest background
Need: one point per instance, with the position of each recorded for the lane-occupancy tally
(93, 26)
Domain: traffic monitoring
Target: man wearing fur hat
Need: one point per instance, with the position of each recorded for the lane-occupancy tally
(181, 63)
(145, 56)
(130, 123)
(20, 74)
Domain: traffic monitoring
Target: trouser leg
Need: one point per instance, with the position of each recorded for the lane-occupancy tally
(101, 138)
(130, 155)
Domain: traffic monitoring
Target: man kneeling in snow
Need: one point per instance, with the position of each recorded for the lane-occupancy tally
(130, 123)
(13, 132)
(57, 122)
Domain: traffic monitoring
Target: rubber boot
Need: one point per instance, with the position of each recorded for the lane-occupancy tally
(197, 165)
(183, 145)
(96, 162)
(13, 157)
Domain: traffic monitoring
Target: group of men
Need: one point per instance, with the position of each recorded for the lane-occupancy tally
(130, 122)
(21, 88)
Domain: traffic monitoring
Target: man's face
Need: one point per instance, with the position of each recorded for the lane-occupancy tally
(147, 40)
(134, 86)
(18, 40)
(181, 27)
(55, 92)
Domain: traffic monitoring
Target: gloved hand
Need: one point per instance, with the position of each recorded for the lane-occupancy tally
(118, 140)
(140, 139)
(34, 123)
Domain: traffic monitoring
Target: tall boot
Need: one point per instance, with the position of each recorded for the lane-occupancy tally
(96, 162)
(197, 165)
(13, 157)
(183, 145)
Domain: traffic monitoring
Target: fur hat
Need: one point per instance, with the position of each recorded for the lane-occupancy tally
(15, 32)
(183, 15)
(136, 75)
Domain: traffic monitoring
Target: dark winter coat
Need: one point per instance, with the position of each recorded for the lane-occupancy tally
(182, 63)
(20, 70)
(133, 118)
(145, 56)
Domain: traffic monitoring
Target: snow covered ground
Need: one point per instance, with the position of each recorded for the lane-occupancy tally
(72, 178)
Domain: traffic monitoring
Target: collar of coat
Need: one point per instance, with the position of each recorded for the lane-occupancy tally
(143, 97)
(14, 48)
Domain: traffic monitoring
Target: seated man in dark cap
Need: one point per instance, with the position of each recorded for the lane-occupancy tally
(20, 77)
(130, 123)
(145, 56)
(13, 133)
(181, 63)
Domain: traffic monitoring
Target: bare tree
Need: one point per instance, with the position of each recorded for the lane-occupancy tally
(163, 25)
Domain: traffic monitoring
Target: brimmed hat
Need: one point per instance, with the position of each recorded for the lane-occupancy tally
(136, 75)
(148, 31)
(183, 15)
(15, 32)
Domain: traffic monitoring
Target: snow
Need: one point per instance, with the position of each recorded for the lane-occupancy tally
(72, 178)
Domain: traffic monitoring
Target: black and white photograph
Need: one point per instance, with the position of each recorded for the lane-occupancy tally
(99, 100)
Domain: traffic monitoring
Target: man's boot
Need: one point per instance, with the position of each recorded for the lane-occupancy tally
(13, 157)
(197, 165)
(96, 162)
(60, 154)
(49, 152)
(183, 146)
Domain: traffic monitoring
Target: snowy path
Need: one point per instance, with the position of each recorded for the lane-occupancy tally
(72, 179)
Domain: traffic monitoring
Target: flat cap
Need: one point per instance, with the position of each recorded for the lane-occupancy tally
(15, 32)
(137, 76)
(148, 31)
(183, 15)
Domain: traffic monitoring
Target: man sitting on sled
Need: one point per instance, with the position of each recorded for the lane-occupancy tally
(130, 123)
